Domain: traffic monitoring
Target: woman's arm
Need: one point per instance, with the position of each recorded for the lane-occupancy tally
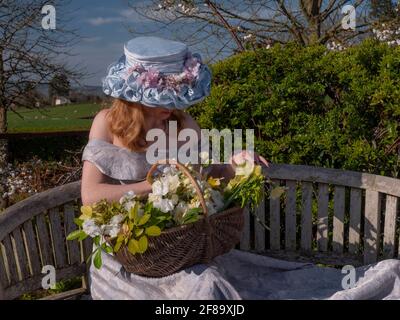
(95, 188)
(94, 185)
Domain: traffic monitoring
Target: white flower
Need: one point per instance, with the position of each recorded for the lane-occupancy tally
(90, 228)
(130, 195)
(160, 188)
(173, 182)
(117, 219)
(111, 230)
(129, 205)
(165, 205)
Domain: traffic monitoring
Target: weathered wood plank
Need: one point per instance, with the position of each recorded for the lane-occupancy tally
(352, 179)
(44, 240)
(290, 216)
(73, 294)
(275, 221)
(31, 245)
(355, 219)
(338, 219)
(322, 227)
(20, 251)
(73, 246)
(371, 227)
(58, 237)
(3, 272)
(259, 230)
(11, 260)
(306, 216)
(33, 283)
(389, 235)
(245, 241)
(28, 208)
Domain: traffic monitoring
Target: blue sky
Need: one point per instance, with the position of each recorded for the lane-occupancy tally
(103, 25)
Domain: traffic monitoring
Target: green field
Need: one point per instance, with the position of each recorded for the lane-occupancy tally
(52, 119)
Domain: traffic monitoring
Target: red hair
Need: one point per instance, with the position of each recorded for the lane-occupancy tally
(126, 121)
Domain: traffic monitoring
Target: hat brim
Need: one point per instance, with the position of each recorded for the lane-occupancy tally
(118, 84)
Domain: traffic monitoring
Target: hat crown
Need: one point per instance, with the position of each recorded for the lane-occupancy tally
(166, 55)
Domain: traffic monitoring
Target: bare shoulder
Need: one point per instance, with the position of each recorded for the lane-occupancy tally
(99, 129)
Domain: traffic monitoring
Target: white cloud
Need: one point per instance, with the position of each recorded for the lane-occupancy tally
(99, 21)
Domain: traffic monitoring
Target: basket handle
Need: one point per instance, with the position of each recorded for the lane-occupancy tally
(187, 173)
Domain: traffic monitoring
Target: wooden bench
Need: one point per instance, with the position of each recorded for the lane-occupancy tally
(327, 216)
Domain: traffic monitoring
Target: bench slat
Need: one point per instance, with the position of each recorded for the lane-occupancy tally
(371, 227)
(338, 219)
(290, 216)
(31, 244)
(390, 226)
(21, 253)
(275, 222)
(44, 240)
(3, 273)
(306, 216)
(322, 227)
(355, 219)
(245, 241)
(73, 246)
(259, 230)
(58, 237)
(11, 261)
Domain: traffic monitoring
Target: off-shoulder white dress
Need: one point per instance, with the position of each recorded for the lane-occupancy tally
(235, 275)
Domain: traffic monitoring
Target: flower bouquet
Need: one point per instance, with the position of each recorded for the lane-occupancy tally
(188, 218)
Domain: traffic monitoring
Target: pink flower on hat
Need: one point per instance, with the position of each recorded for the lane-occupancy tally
(149, 78)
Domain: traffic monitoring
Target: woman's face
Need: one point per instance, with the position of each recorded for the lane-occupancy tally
(158, 112)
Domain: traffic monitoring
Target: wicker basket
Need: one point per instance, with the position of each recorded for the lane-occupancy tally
(183, 246)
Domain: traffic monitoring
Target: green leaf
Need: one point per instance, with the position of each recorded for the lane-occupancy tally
(76, 234)
(138, 232)
(119, 242)
(133, 246)
(143, 244)
(192, 215)
(133, 212)
(144, 219)
(83, 236)
(107, 248)
(96, 240)
(97, 259)
(78, 222)
(153, 231)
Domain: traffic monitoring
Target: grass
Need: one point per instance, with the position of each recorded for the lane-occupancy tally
(70, 117)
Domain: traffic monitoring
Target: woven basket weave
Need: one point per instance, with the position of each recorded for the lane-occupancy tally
(183, 246)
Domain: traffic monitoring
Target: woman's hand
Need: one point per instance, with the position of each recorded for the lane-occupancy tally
(245, 156)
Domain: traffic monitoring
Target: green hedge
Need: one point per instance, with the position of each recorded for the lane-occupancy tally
(312, 106)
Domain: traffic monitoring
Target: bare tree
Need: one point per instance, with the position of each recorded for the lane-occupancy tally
(30, 54)
(254, 23)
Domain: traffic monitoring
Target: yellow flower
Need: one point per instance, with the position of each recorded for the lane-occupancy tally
(87, 212)
(214, 182)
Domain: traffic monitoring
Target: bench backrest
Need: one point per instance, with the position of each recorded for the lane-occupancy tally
(327, 215)
(33, 235)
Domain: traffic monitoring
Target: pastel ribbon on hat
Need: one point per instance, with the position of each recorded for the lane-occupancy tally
(174, 79)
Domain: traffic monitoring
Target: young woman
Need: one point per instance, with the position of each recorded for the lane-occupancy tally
(151, 84)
